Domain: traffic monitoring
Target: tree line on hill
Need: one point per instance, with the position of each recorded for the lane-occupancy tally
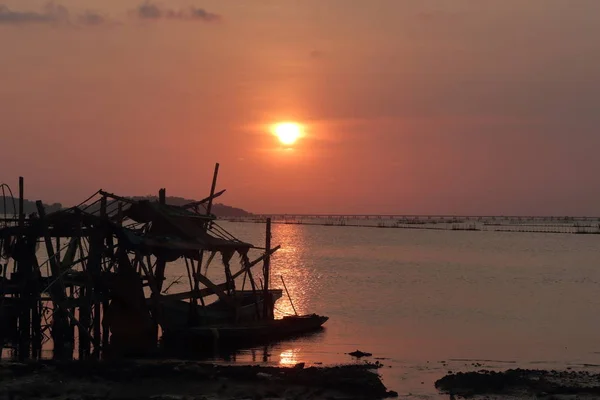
(29, 207)
(218, 209)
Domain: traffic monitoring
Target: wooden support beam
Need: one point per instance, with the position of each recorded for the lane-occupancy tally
(84, 320)
(253, 263)
(114, 196)
(69, 257)
(21, 200)
(36, 310)
(54, 265)
(27, 300)
(212, 190)
(266, 270)
(195, 272)
(94, 271)
(60, 330)
(204, 200)
(99, 290)
(160, 262)
(248, 268)
(216, 288)
(193, 293)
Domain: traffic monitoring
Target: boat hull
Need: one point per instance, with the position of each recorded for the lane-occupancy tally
(242, 335)
(176, 314)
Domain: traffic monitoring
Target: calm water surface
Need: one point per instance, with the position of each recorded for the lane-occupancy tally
(433, 301)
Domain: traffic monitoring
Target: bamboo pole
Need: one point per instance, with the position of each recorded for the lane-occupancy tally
(266, 272)
(212, 190)
(288, 294)
(248, 270)
(160, 262)
(101, 310)
(24, 320)
(21, 199)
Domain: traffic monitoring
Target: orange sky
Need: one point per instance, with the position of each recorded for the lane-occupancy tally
(415, 107)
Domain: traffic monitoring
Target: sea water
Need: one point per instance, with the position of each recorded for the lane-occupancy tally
(426, 302)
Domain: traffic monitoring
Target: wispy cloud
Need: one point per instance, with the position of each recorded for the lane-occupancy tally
(92, 18)
(149, 11)
(152, 11)
(51, 13)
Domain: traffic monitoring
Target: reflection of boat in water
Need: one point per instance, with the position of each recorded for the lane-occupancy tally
(249, 333)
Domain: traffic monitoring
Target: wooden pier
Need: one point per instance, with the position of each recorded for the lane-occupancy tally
(524, 224)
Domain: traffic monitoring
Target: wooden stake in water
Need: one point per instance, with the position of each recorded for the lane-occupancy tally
(288, 294)
(266, 272)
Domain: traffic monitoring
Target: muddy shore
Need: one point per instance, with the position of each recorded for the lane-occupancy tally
(175, 380)
(522, 384)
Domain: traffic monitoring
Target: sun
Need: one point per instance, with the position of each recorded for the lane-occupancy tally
(287, 132)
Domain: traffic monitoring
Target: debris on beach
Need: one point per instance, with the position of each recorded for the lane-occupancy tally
(521, 382)
(360, 354)
(125, 380)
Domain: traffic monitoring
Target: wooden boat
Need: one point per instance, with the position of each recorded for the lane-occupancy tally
(244, 311)
(176, 314)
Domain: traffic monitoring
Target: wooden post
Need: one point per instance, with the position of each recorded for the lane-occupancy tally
(25, 304)
(93, 269)
(84, 319)
(36, 307)
(212, 189)
(266, 272)
(36, 320)
(21, 198)
(159, 277)
(247, 267)
(194, 300)
(162, 196)
(288, 295)
(120, 213)
(99, 292)
(60, 323)
(160, 262)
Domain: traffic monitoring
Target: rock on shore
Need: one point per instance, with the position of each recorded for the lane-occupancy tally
(522, 383)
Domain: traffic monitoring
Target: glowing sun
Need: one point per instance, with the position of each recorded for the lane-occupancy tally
(287, 132)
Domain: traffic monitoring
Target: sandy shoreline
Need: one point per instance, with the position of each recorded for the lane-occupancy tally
(174, 380)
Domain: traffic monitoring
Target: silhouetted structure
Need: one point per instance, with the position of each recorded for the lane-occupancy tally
(103, 270)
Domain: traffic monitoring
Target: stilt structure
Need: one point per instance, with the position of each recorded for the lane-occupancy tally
(89, 281)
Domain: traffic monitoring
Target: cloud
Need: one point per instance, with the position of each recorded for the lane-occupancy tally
(149, 10)
(92, 18)
(51, 13)
(200, 13)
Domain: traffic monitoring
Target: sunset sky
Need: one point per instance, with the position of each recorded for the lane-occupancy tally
(407, 106)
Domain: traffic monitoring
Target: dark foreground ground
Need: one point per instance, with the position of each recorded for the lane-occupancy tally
(184, 381)
(522, 384)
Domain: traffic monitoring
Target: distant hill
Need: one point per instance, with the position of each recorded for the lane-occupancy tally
(220, 210)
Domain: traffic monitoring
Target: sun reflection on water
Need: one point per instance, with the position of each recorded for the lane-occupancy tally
(293, 263)
(289, 357)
